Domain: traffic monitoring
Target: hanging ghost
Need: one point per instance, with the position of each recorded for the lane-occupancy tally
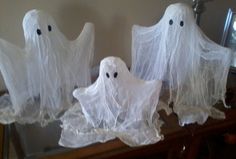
(176, 51)
(41, 77)
(116, 105)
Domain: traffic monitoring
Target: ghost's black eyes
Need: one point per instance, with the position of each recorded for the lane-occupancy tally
(49, 28)
(38, 31)
(115, 74)
(107, 74)
(171, 22)
(181, 23)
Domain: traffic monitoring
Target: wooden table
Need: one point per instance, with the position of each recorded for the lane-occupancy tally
(179, 142)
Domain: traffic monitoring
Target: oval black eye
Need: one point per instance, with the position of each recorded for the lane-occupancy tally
(181, 23)
(39, 32)
(115, 74)
(49, 28)
(107, 74)
(171, 22)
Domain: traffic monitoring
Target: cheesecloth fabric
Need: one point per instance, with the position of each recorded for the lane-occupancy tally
(41, 77)
(116, 105)
(176, 51)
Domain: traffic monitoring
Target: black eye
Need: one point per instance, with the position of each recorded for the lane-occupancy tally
(39, 32)
(181, 23)
(107, 74)
(171, 22)
(115, 74)
(49, 28)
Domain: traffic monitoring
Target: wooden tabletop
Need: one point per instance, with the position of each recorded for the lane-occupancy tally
(173, 134)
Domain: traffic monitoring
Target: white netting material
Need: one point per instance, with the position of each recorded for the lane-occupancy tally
(116, 105)
(41, 77)
(176, 51)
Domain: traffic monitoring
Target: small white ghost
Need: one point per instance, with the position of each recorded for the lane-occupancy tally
(41, 77)
(176, 51)
(116, 105)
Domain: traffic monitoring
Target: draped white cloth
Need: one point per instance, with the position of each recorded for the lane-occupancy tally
(116, 105)
(176, 51)
(41, 77)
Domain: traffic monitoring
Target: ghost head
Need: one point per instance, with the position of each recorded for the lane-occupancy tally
(40, 29)
(114, 73)
(178, 15)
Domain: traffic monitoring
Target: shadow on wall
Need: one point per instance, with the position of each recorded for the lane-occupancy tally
(110, 35)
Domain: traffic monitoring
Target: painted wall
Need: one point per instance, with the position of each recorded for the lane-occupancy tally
(113, 20)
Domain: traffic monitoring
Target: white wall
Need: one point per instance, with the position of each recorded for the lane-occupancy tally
(113, 20)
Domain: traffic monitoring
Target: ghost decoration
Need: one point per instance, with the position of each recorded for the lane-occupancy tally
(116, 105)
(41, 77)
(193, 67)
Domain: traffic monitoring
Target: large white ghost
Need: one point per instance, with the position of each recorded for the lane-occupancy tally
(176, 51)
(116, 105)
(41, 77)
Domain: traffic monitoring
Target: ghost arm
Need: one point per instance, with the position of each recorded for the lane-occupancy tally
(14, 72)
(139, 36)
(92, 103)
(81, 55)
(145, 48)
(219, 60)
(212, 50)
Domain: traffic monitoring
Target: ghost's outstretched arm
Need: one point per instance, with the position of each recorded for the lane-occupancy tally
(14, 71)
(139, 34)
(144, 51)
(219, 60)
(85, 42)
(212, 50)
(81, 55)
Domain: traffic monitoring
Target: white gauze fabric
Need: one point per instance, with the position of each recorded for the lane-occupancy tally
(116, 105)
(41, 77)
(176, 51)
